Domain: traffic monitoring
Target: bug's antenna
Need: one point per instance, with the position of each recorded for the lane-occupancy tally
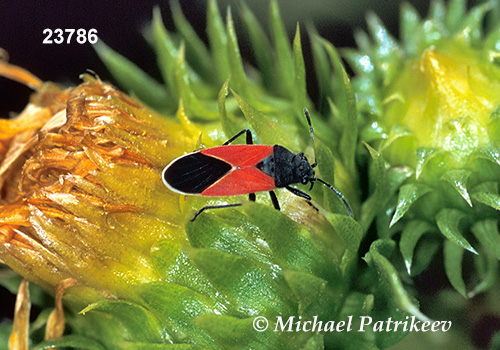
(348, 208)
(312, 134)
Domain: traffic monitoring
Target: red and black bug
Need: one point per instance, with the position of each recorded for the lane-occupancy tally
(230, 170)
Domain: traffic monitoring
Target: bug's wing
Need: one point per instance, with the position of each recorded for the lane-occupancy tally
(194, 172)
(241, 181)
(244, 177)
(240, 155)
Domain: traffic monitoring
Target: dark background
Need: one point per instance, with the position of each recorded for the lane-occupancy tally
(120, 25)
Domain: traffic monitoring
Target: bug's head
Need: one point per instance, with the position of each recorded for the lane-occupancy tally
(305, 171)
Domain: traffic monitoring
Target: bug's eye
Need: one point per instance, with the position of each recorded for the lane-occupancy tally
(304, 181)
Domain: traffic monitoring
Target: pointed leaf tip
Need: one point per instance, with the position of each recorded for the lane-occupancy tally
(424, 155)
(373, 152)
(458, 179)
(448, 220)
(408, 194)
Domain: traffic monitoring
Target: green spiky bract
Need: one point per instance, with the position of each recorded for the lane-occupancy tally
(426, 192)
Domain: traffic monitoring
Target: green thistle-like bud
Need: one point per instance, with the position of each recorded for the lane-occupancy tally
(429, 109)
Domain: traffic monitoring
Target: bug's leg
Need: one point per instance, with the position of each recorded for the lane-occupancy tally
(274, 199)
(214, 207)
(302, 195)
(312, 205)
(251, 197)
(248, 137)
(298, 193)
